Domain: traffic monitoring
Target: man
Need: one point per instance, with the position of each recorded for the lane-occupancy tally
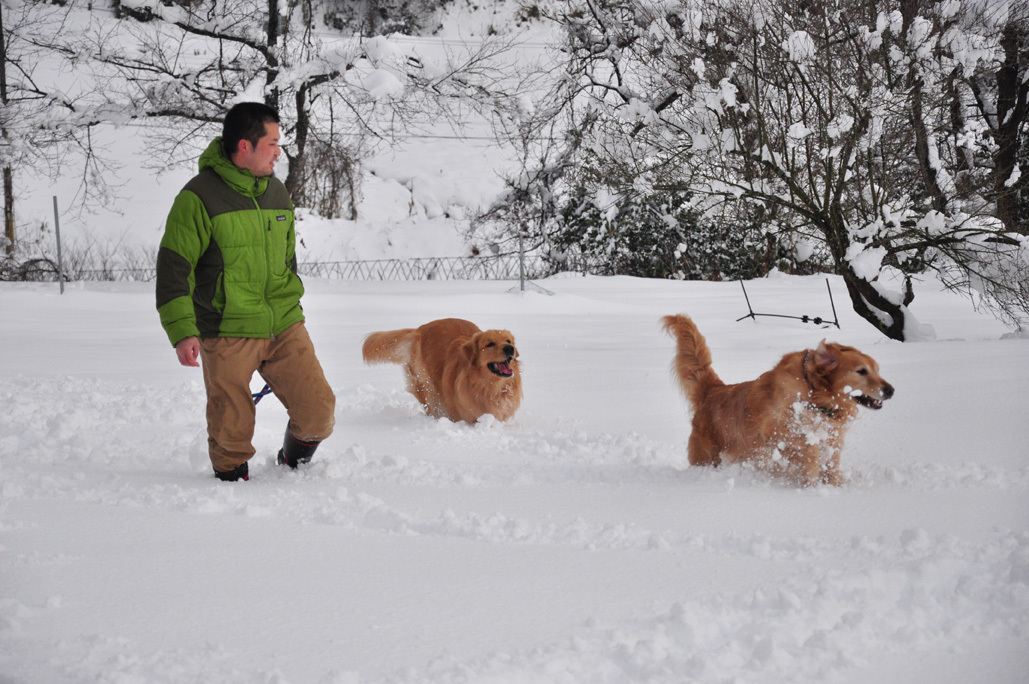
(228, 292)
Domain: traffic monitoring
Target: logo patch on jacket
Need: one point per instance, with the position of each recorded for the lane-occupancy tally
(280, 218)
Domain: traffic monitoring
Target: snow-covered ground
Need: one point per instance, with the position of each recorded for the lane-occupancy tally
(572, 544)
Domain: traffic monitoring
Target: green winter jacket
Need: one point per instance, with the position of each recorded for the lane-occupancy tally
(227, 262)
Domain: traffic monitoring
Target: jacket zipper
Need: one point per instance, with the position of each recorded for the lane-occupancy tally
(267, 276)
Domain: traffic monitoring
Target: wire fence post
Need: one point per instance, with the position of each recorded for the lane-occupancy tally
(57, 233)
(520, 288)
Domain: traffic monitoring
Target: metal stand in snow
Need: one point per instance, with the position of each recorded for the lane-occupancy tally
(817, 320)
(522, 282)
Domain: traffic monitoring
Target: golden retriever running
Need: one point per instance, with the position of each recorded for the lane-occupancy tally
(790, 420)
(454, 369)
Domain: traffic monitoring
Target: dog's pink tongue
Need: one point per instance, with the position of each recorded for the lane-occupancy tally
(504, 368)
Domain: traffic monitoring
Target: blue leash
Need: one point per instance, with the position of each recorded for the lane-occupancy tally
(258, 396)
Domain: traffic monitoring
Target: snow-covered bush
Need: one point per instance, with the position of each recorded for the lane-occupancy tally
(660, 236)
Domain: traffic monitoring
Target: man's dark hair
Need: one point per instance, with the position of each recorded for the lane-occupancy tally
(246, 121)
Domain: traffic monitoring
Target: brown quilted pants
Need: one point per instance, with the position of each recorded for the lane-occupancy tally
(288, 364)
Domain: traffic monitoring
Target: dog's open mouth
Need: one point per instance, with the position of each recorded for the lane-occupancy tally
(867, 401)
(501, 368)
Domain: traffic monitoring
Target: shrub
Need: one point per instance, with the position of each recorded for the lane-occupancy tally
(660, 236)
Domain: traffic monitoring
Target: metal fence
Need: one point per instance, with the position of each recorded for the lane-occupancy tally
(42, 269)
(434, 268)
(442, 268)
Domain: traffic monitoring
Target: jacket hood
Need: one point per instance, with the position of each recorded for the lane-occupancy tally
(242, 181)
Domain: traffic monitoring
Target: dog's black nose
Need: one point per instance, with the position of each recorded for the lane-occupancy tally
(887, 391)
(509, 350)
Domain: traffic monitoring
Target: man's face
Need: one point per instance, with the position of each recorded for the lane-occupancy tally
(260, 158)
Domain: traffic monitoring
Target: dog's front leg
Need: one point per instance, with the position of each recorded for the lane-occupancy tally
(831, 474)
(816, 452)
(807, 465)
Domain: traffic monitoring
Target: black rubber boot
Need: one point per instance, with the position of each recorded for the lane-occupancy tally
(294, 452)
(240, 472)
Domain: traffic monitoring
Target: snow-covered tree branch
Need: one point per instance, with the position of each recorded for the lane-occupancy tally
(848, 125)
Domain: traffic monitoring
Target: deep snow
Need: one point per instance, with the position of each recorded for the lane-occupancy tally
(572, 544)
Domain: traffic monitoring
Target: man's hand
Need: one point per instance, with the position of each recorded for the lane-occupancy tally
(188, 350)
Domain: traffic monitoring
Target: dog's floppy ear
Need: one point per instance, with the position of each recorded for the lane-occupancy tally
(470, 349)
(824, 358)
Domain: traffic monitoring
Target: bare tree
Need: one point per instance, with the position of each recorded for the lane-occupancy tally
(187, 63)
(546, 147)
(45, 126)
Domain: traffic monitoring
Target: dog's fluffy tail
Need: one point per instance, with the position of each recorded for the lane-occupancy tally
(692, 363)
(391, 346)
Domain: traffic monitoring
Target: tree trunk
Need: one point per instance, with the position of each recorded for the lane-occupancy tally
(8, 173)
(870, 304)
(8, 208)
(930, 175)
(294, 179)
(1011, 112)
(886, 316)
(271, 95)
